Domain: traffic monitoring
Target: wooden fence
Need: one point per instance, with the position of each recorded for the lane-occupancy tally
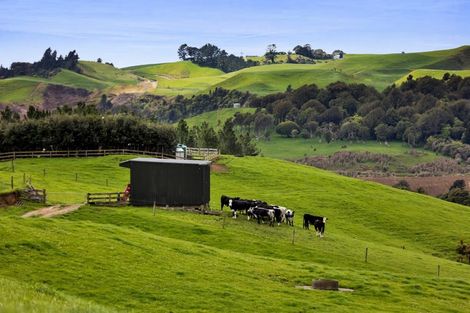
(202, 153)
(35, 195)
(8, 156)
(106, 198)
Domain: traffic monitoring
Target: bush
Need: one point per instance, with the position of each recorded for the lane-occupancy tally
(287, 128)
(402, 184)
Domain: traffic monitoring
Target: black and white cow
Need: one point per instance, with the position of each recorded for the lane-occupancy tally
(261, 213)
(224, 201)
(237, 205)
(317, 221)
(290, 217)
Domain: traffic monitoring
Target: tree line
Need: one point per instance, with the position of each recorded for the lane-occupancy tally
(414, 112)
(47, 66)
(212, 56)
(227, 139)
(86, 131)
(89, 127)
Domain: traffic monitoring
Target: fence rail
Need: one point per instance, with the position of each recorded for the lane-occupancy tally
(8, 156)
(106, 198)
(202, 153)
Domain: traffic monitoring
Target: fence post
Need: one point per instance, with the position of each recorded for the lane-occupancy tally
(154, 206)
(24, 178)
(438, 271)
(44, 196)
(367, 252)
(11, 181)
(88, 198)
(14, 155)
(293, 236)
(76, 176)
(44, 171)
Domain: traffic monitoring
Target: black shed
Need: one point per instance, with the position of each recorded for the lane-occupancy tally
(169, 182)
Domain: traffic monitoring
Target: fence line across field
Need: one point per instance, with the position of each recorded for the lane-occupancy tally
(206, 153)
(8, 156)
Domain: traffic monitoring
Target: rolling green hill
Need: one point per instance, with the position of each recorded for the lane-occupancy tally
(129, 259)
(93, 76)
(378, 70)
(433, 73)
(176, 78)
(186, 78)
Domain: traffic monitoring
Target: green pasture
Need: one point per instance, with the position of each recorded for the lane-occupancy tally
(295, 148)
(130, 259)
(438, 74)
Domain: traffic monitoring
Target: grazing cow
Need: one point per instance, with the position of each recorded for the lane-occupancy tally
(280, 213)
(317, 221)
(261, 213)
(224, 200)
(290, 217)
(240, 205)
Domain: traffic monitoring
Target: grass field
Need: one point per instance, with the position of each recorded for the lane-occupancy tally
(378, 70)
(128, 259)
(438, 74)
(295, 148)
(216, 119)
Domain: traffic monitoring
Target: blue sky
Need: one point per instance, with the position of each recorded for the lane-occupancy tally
(143, 31)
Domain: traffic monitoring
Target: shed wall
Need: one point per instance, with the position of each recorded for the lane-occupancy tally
(169, 184)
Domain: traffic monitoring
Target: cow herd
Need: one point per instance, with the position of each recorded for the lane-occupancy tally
(262, 211)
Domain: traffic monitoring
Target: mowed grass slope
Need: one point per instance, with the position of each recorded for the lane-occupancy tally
(378, 70)
(127, 258)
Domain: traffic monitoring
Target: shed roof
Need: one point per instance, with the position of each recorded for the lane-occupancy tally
(164, 161)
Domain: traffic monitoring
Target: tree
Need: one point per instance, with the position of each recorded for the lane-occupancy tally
(402, 184)
(384, 132)
(459, 183)
(271, 53)
(287, 128)
(247, 145)
(207, 138)
(262, 123)
(99, 60)
(228, 140)
(183, 52)
(104, 103)
(182, 132)
(281, 108)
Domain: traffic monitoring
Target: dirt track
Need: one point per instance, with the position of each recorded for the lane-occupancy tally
(52, 211)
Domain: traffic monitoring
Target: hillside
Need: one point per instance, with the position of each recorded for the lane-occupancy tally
(378, 70)
(129, 259)
(186, 78)
(433, 73)
(176, 78)
(93, 77)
